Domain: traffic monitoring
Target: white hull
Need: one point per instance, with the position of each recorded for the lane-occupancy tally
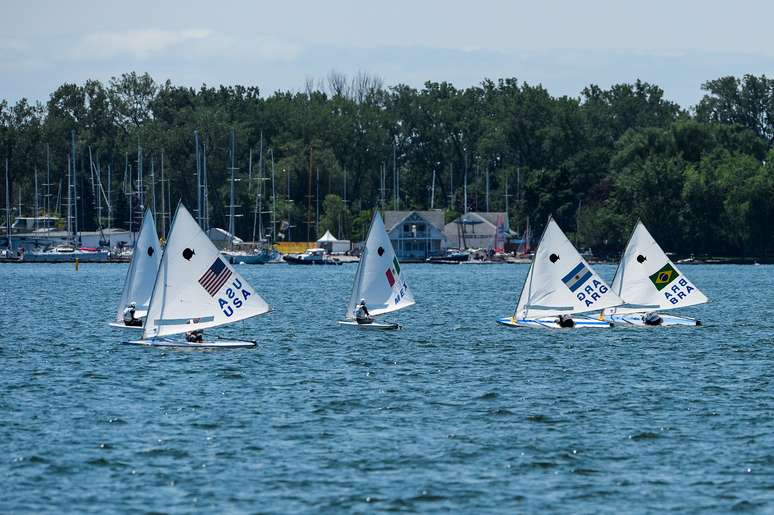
(581, 322)
(384, 326)
(215, 344)
(636, 319)
(121, 325)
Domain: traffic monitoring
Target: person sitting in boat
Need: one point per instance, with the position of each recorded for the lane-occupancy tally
(652, 318)
(195, 336)
(565, 321)
(129, 315)
(362, 316)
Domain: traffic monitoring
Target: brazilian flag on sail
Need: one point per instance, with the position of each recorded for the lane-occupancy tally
(664, 276)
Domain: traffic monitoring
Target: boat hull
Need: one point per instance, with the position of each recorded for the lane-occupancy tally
(636, 319)
(292, 260)
(374, 326)
(550, 323)
(214, 344)
(53, 257)
(248, 259)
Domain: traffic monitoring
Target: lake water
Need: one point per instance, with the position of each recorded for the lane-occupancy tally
(452, 414)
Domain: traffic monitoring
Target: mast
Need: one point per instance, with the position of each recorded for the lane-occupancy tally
(231, 168)
(451, 187)
(205, 195)
(382, 184)
(140, 185)
(153, 186)
(317, 204)
(163, 204)
(35, 219)
(109, 193)
(487, 187)
(74, 201)
(432, 192)
(47, 203)
(8, 209)
(396, 173)
(273, 202)
(309, 197)
(465, 187)
(128, 189)
(198, 180)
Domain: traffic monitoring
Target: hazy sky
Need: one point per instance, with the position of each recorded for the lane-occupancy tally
(564, 45)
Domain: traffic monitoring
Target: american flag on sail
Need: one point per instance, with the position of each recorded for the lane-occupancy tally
(215, 277)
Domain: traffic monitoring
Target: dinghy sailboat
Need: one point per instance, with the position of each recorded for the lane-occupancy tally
(379, 280)
(648, 281)
(560, 286)
(141, 275)
(195, 289)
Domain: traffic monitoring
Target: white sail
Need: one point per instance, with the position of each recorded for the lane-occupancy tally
(195, 287)
(560, 281)
(647, 279)
(141, 275)
(379, 279)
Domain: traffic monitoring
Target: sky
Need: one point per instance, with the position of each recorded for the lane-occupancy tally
(562, 44)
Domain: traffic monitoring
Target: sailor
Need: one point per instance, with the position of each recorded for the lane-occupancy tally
(362, 316)
(129, 315)
(565, 321)
(652, 318)
(195, 336)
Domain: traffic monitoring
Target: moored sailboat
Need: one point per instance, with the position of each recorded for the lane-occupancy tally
(560, 287)
(195, 289)
(648, 281)
(378, 280)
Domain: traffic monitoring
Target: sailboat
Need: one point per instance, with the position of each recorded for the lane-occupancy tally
(196, 289)
(560, 286)
(379, 279)
(141, 276)
(647, 281)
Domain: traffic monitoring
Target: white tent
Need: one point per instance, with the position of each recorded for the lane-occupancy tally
(327, 238)
(332, 245)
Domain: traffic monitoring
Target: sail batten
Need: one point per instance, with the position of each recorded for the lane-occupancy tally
(379, 278)
(648, 280)
(196, 288)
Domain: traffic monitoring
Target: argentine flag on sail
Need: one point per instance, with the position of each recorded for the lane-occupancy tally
(577, 276)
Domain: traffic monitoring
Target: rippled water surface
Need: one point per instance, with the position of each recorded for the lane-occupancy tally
(454, 413)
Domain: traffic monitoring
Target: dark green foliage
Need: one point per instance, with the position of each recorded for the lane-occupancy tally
(701, 181)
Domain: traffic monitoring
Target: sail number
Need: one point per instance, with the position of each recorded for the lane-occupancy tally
(235, 297)
(401, 293)
(592, 293)
(678, 291)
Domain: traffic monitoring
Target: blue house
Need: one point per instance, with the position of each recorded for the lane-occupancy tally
(416, 235)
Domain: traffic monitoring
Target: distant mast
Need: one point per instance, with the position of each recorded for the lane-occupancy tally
(198, 180)
(7, 208)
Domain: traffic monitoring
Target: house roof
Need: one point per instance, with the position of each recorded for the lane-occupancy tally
(489, 219)
(393, 218)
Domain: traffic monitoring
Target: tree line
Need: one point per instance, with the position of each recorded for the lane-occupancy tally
(701, 179)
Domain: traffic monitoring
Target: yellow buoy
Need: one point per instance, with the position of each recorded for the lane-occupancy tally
(77, 264)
